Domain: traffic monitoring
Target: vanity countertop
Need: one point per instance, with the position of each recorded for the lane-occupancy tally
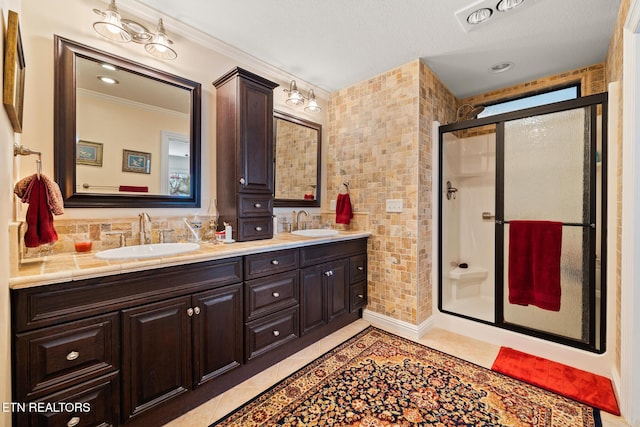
(77, 266)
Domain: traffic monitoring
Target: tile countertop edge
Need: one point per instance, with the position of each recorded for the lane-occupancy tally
(207, 252)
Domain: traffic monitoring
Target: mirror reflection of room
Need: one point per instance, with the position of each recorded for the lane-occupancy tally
(296, 160)
(132, 132)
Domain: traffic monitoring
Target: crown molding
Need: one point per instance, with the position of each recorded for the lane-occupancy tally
(150, 15)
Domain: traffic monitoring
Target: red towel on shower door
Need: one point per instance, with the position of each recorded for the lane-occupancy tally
(534, 263)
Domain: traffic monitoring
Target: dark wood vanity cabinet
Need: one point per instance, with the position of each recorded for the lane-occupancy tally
(329, 289)
(173, 346)
(244, 153)
(142, 348)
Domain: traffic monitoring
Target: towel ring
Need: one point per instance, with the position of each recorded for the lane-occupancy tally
(346, 185)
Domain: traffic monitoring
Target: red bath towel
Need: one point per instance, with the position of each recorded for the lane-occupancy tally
(40, 229)
(344, 212)
(134, 188)
(534, 263)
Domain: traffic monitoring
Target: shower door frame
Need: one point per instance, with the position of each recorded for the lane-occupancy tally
(592, 101)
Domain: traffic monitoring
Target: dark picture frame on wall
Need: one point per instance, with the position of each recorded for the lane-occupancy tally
(14, 70)
(136, 161)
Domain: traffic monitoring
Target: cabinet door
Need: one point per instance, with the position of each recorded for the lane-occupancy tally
(313, 298)
(337, 288)
(156, 354)
(217, 332)
(256, 138)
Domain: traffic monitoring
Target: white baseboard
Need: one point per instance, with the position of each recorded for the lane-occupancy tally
(395, 326)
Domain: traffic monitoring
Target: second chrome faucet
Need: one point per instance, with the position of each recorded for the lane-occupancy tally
(145, 228)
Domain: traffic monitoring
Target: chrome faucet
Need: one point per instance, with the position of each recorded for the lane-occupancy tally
(145, 228)
(296, 224)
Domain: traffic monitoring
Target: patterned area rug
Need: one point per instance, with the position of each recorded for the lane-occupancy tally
(379, 379)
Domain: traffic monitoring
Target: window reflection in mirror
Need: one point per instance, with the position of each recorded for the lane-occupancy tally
(297, 161)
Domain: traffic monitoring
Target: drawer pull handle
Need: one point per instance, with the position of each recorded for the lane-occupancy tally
(276, 333)
(189, 311)
(258, 228)
(276, 294)
(196, 310)
(74, 421)
(257, 205)
(361, 268)
(275, 262)
(73, 355)
(360, 296)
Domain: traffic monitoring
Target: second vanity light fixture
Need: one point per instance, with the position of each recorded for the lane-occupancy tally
(121, 30)
(297, 98)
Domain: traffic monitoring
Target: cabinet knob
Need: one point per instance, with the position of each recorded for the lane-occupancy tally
(361, 268)
(275, 262)
(276, 333)
(73, 355)
(242, 181)
(276, 294)
(258, 228)
(189, 311)
(257, 205)
(328, 273)
(360, 296)
(74, 421)
(196, 310)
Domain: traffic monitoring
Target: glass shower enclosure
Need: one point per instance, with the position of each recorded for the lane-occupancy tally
(521, 216)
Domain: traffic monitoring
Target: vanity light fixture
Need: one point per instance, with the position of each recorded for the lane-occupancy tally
(297, 98)
(118, 29)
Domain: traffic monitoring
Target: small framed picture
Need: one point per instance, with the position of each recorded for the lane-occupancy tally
(14, 66)
(89, 153)
(136, 161)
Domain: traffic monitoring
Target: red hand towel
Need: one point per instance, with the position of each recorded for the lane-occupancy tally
(134, 188)
(40, 229)
(534, 263)
(344, 213)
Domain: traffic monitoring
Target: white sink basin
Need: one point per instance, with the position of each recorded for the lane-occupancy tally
(316, 232)
(147, 251)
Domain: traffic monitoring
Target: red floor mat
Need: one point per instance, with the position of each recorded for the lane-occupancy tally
(585, 387)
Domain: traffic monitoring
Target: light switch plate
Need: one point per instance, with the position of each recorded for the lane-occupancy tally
(394, 205)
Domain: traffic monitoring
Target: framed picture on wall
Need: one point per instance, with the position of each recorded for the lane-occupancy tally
(89, 153)
(136, 161)
(13, 88)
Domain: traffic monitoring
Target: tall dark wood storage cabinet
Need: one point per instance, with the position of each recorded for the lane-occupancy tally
(244, 164)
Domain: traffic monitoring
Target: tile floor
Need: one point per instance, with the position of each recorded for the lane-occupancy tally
(475, 351)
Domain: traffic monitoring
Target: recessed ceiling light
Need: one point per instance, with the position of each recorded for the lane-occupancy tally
(108, 80)
(501, 67)
(480, 15)
(108, 66)
(505, 5)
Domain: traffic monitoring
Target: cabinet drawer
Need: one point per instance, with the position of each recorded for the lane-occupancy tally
(357, 296)
(255, 228)
(91, 404)
(357, 268)
(318, 254)
(260, 265)
(60, 356)
(271, 332)
(269, 294)
(255, 205)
